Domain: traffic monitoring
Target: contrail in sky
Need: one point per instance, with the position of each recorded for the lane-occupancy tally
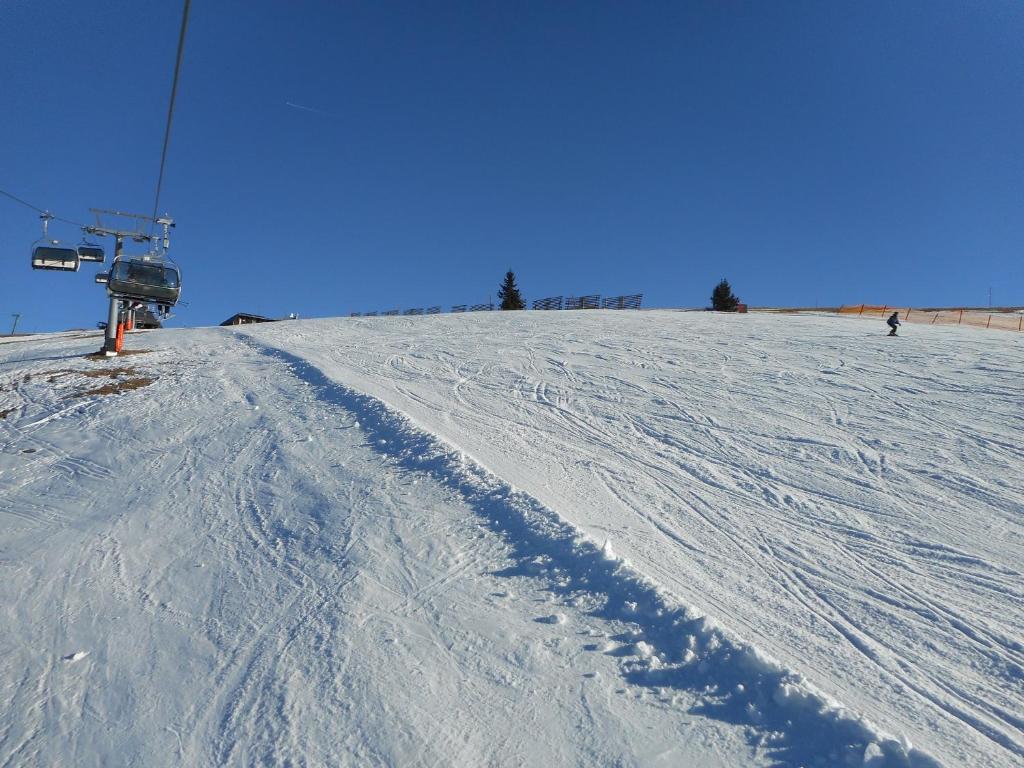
(305, 109)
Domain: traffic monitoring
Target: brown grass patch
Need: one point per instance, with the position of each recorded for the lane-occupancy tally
(106, 373)
(122, 379)
(114, 387)
(109, 373)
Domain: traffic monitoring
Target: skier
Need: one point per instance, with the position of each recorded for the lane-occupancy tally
(893, 322)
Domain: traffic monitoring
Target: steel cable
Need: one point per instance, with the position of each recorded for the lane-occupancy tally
(38, 210)
(170, 109)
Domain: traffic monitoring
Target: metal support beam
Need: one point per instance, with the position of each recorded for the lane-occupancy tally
(110, 333)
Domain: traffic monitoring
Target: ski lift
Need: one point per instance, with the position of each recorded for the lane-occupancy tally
(55, 256)
(151, 278)
(50, 254)
(91, 252)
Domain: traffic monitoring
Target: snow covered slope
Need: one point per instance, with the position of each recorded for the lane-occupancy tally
(493, 540)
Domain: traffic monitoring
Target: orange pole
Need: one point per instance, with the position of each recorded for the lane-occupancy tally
(119, 341)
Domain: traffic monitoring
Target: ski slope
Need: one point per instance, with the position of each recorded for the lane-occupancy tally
(600, 538)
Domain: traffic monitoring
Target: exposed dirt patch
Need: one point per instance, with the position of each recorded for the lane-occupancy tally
(122, 379)
(109, 373)
(3, 413)
(90, 373)
(106, 373)
(122, 385)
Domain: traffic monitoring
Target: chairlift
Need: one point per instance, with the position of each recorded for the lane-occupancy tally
(50, 254)
(91, 252)
(151, 278)
(55, 256)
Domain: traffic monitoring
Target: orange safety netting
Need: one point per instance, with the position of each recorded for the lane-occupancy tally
(1003, 321)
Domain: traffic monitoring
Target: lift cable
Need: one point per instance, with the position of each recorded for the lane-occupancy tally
(170, 108)
(40, 211)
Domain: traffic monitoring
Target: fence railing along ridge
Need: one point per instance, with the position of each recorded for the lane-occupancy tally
(588, 301)
(992, 318)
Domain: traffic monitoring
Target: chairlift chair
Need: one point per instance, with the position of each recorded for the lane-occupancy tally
(91, 252)
(53, 255)
(50, 254)
(150, 278)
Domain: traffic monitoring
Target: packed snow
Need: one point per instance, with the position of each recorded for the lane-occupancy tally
(576, 538)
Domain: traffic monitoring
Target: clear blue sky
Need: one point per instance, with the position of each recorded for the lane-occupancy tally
(811, 152)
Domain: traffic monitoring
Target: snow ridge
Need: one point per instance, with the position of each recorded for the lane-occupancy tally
(670, 645)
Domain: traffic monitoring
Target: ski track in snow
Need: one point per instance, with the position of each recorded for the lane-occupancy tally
(304, 575)
(681, 649)
(253, 582)
(871, 492)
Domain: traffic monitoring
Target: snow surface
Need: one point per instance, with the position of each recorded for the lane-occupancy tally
(589, 538)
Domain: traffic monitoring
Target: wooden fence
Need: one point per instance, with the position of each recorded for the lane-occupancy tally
(623, 302)
(591, 301)
(550, 303)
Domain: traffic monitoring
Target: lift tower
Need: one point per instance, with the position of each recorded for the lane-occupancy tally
(138, 235)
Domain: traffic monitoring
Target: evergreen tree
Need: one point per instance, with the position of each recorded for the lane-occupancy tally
(509, 293)
(722, 298)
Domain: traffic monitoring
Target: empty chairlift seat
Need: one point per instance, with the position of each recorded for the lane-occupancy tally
(55, 256)
(50, 254)
(91, 252)
(145, 279)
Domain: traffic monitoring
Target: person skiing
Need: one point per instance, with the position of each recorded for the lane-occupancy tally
(893, 322)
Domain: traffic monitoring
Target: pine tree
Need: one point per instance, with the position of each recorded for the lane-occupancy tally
(509, 293)
(722, 298)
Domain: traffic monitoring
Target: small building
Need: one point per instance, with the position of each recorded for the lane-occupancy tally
(244, 318)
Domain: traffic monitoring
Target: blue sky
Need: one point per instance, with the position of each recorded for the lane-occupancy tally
(335, 157)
